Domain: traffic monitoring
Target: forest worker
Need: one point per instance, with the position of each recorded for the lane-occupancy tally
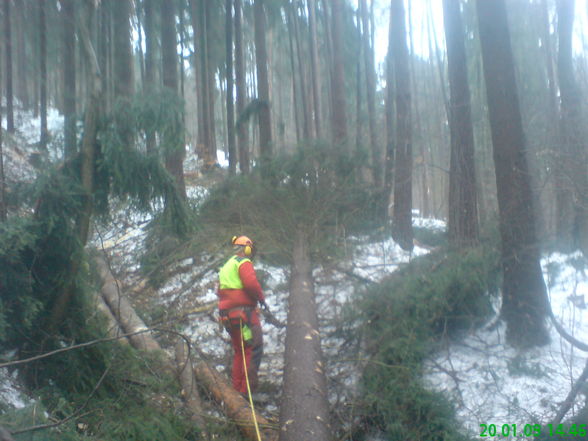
(239, 294)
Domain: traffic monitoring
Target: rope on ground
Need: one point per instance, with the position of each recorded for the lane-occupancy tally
(248, 386)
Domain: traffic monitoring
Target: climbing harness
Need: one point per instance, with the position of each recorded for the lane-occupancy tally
(247, 380)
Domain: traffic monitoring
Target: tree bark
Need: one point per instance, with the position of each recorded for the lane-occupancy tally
(150, 63)
(87, 167)
(402, 215)
(314, 68)
(241, 89)
(44, 135)
(8, 67)
(3, 207)
(21, 53)
(338, 106)
(265, 123)
(236, 407)
(122, 309)
(571, 175)
(524, 293)
(462, 224)
(123, 52)
(304, 408)
(230, 87)
(188, 383)
(175, 150)
(370, 80)
(69, 77)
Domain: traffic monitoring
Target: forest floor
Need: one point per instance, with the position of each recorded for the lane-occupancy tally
(488, 382)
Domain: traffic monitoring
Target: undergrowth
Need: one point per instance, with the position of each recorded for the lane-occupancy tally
(402, 321)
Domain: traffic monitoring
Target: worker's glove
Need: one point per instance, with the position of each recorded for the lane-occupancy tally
(264, 305)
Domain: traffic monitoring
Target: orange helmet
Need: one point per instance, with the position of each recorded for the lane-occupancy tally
(246, 243)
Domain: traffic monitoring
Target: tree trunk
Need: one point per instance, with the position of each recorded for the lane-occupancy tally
(294, 87)
(304, 408)
(188, 383)
(150, 64)
(241, 89)
(338, 106)
(8, 68)
(69, 78)
(87, 167)
(402, 215)
(3, 207)
(236, 407)
(524, 293)
(390, 132)
(230, 87)
(174, 160)
(44, 135)
(265, 123)
(314, 68)
(370, 79)
(123, 52)
(122, 309)
(462, 224)
(571, 178)
(301, 72)
(22, 59)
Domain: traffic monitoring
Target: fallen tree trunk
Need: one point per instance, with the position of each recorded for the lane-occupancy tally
(113, 327)
(188, 382)
(304, 408)
(236, 407)
(122, 309)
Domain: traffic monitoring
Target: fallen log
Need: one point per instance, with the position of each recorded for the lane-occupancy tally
(122, 309)
(236, 407)
(304, 408)
(187, 380)
(5, 435)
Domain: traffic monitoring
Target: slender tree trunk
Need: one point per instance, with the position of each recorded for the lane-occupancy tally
(210, 87)
(3, 207)
(524, 293)
(87, 167)
(265, 124)
(8, 69)
(150, 64)
(338, 106)
(123, 52)
(314, 68)
(462, 225)
(304, 409)
(175, 151)
(233, 159)
(370, 79)
(294, 88)
(402, 216)
(571, 178)
(69, 77)
(390, 132)
(301, 72)
(22, 59)
(241, 89)
(44, 136)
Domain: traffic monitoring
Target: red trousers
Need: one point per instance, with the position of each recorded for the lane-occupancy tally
(253, 354)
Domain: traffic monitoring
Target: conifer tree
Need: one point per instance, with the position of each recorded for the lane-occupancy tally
(523, 290)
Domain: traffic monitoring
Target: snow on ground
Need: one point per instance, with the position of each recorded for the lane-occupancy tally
(491, 383)
(488, 381)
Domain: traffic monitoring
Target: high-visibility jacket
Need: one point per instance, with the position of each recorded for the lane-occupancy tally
(238, 284)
